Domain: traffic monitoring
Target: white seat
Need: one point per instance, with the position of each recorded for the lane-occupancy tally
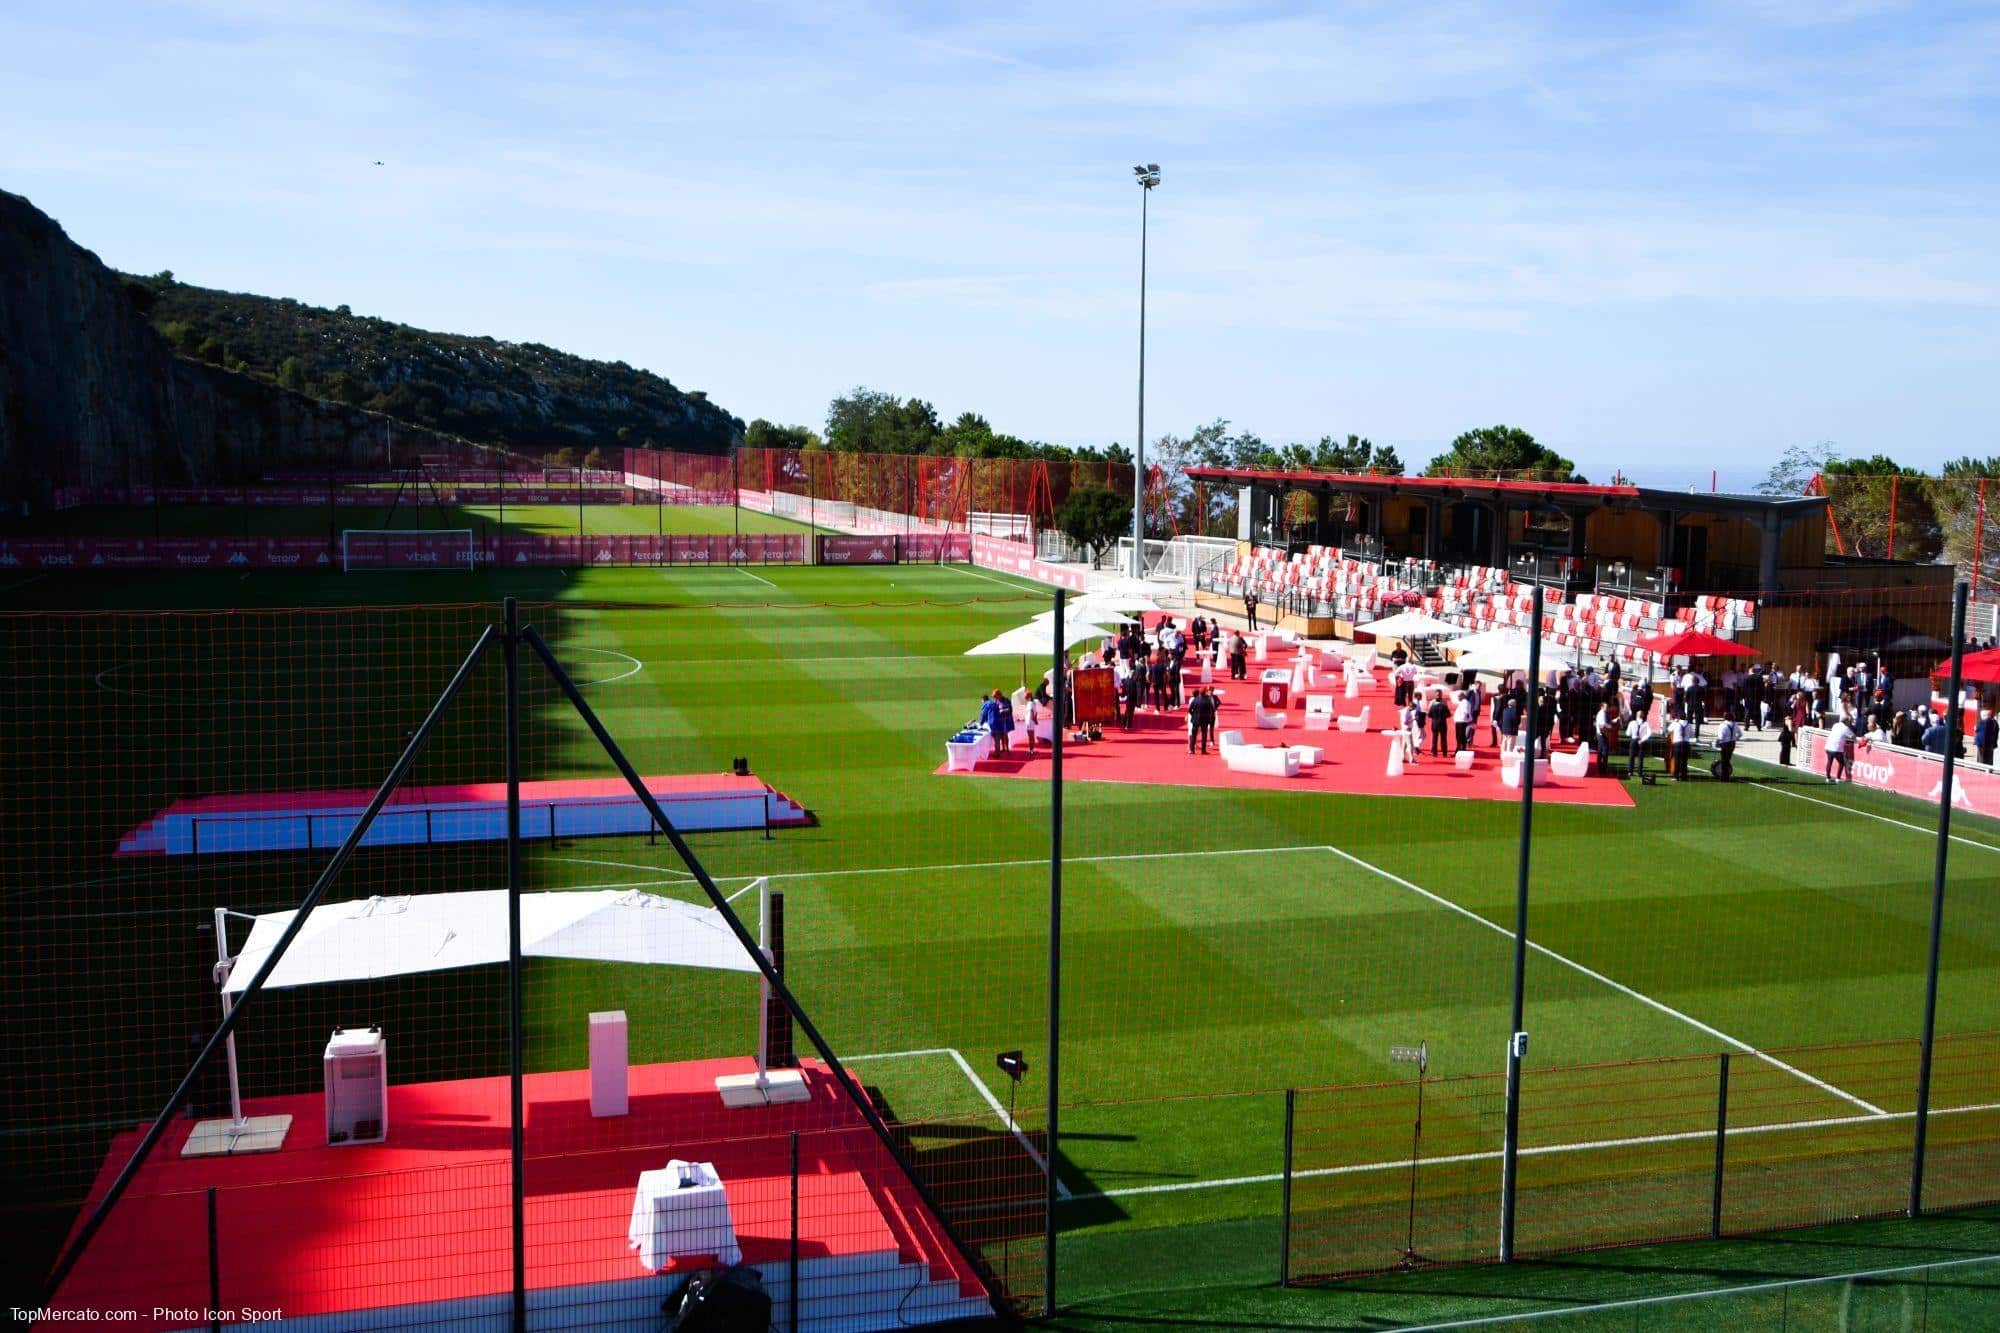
(1269, 721)
(1353, 690)
(1577, 765)
(1355, 721)
(1270, 760)
(1309, 755)
(1462, 759)
(1319, 712)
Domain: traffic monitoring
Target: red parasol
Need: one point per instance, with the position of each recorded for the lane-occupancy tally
(1693, 643)
(1980, 668)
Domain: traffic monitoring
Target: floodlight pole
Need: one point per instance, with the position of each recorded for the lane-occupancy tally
(1061, 696)
(510, 643)
(1953, 721)
(1517, 1039)
(1148, 177)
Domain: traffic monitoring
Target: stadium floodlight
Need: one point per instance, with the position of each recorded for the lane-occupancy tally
(1420, 1056)
(1148, 176)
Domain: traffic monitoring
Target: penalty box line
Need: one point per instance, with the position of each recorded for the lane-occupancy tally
(1539, 1150)
(985, 1093)
(1619, 986)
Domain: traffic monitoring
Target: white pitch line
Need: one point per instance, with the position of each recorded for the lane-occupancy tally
(760, 578)
(1750, 1289)
(1618, 986)
(1543, 1150)
(22, 583)
(1870, 814)
(1042, 861)
(979, 1085)
(970, 572)
(620, 865)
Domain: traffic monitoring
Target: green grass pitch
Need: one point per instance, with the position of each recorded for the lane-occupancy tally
(1219, 947)
(593, 520)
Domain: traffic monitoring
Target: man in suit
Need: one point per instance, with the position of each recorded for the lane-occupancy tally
(1250, 607)
(1986, 735)
(1201, 720)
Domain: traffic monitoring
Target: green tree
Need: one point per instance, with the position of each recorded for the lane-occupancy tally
(1501, 450)
(762, 434)
(292, 375)
(1094, 518)
(1796, 467)
(1881, 507)
(564, 457)
(596, 458)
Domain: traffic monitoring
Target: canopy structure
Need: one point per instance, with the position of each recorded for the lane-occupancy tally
(1411, 625)
(1123, 586)
(1504, 649)
(1692, 643)
(1886, 635)
(369, 938)
(1036, 639)
(1099, 605)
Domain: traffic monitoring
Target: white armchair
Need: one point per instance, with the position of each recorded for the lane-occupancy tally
(1566, 765)
(1270, 721)
(1319, 712)
(1356, 721)
(1270, 760)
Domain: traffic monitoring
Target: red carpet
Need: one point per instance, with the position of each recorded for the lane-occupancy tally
(1354, 763)
(423, 1218)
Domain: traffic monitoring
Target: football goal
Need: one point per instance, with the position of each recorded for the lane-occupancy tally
(396, 550)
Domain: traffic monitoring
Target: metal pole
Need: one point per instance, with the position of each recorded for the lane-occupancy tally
(222, 963)
(1516, 1038)
(1139, 443)
(509, 653)
(1952, 718)
(1061, 695)
(1285, 1194)
(214, 1267)
(1721, 1137)
(792, 1282)
(95, 1222)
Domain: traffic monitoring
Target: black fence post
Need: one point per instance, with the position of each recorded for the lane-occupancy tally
(1952, 727)
(510, 644)
(1285, 1194)
(1060, 657)
(1517, 1039)
(1721, 1138)
(792, 1285)
(214, 1268)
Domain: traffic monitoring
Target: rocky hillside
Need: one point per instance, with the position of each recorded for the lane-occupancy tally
(523, 396)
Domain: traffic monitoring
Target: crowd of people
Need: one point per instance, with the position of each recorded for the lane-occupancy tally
(1597, 706)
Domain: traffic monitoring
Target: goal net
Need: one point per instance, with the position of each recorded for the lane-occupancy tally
(364, 550)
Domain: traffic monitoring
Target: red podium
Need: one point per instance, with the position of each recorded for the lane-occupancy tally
(1277, 689)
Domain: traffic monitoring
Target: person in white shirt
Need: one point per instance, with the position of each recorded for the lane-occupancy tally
(1840, 742)
(1413, 730)
(1637, 734)
(1680, 744)
(1461, 720)
(1725, 749)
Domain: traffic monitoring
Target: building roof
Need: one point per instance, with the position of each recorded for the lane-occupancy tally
(1549, 492)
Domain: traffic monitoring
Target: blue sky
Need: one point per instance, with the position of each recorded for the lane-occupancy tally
(1664, 237)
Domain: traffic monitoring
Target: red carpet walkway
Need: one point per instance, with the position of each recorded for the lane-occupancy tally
(1354, 763)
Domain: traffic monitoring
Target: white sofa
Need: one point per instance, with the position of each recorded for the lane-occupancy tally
(1510, 771)
(1567, 765)
(1271, 760)
(1356, 721)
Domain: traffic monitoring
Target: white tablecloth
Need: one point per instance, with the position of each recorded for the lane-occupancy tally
(670, 1219)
